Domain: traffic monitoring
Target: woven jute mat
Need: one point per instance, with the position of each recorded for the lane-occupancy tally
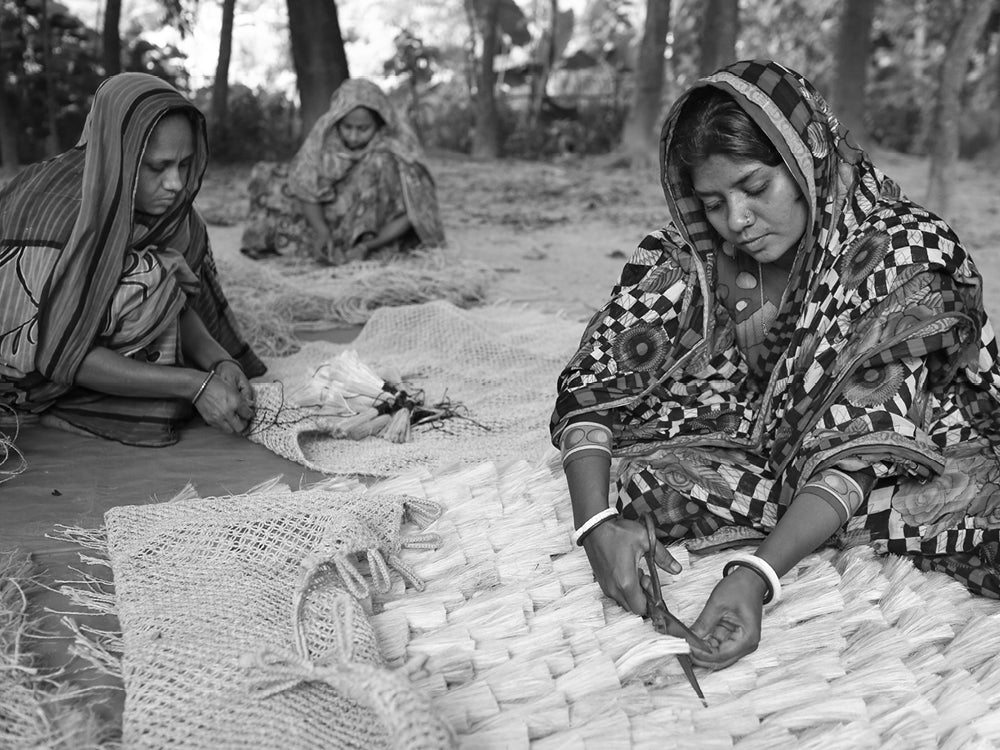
(243, 622)
(522, 649)
(497, 365)
(510, 643)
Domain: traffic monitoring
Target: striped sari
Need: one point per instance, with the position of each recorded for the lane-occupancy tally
(880, 359)
(79, 268)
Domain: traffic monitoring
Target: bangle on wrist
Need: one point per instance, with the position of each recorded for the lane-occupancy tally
(204, 385)
(763, 569)
(592, 523)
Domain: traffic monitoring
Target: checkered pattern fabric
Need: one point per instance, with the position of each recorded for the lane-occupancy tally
(881, 356)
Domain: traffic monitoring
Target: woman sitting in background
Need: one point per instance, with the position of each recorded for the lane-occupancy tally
(112, 320)
(357, 188)
(802, 354)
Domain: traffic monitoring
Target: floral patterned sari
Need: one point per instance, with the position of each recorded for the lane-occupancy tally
(881, 359)
(359, 191)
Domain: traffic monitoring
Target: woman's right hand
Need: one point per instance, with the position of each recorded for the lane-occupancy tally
(614, 549)
(223, 406)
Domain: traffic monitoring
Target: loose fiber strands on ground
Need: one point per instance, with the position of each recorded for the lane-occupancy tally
(37, 709)
(272, 300)
(500, 363)
(863, 652)
(217, 651)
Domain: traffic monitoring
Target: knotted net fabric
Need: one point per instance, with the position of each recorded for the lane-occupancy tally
(497, 364)
(240, 628)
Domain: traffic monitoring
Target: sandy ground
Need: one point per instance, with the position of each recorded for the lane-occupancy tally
(556, 233)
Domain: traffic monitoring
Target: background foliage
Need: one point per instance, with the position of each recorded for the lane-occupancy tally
(563, 86)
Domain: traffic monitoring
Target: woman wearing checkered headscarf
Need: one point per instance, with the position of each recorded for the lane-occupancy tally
(111, 313)
(801, 354)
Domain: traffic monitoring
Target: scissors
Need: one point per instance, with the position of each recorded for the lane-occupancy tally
(664, 621)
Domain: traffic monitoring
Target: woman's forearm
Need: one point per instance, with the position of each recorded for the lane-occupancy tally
(588, 479)
(199, 347)
(314, 215)
(108, 372)
(390, 232)
(809, 521)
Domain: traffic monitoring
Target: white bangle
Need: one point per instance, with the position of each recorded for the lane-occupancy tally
(590, 523)
(763, 568)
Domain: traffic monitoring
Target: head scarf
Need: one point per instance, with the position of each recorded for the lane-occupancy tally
(324, 159)
(66, 225)
(880, 339)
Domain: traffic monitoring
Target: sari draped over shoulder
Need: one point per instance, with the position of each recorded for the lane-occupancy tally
(79, 268)
(881, 359)
(359, 190)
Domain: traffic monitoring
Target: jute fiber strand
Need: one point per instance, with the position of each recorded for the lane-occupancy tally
(243, 623)
(520, 648)
(271, 301)
(39, 708)
(499, 363)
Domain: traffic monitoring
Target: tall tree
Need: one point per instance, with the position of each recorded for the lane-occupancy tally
(484, 17)
(641, 136)
(111, 41)
(318, 55)
(853, 51)
(720, 28)
(220, 86)
(944, 146)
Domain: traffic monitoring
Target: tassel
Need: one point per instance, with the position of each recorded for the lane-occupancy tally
(398, 429)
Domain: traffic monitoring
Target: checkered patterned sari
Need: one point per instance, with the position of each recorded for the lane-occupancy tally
(881, 358)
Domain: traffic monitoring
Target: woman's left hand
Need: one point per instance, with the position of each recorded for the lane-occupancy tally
(730, 620)
(230, 372)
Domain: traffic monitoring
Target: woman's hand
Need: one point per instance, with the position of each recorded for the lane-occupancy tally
(731, 619)
(230, 372)
(360, 251)
(223, 405)
(614, 549)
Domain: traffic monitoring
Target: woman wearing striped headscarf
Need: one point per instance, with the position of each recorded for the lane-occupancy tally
(802, 354)
(357, 188)
(112, 320)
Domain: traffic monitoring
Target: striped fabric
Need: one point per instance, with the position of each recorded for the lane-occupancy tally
(881, 357)
(67, 227)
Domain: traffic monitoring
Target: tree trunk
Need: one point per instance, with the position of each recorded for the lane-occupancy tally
(719, 30)
(486, 140)
(853, 50)
(944, 146)
(112, 40)
(52, 138)
(219, 120)
(318, 55)
(8, 118)
(546, 61)
(641, 136)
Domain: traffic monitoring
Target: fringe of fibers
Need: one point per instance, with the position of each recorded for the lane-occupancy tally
(271, 304)
(12, 461)
(39, 708)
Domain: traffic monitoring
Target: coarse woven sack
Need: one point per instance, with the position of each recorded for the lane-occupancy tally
(240, 629)
(500, 363)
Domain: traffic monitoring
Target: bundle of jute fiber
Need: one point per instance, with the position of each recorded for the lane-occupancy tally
(861, 652)
(39, 708)
(271, 302)
(243, 620)
(495, 365)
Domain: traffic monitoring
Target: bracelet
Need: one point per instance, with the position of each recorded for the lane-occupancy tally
(762, 568)
(215, 365)
(204, 385)
(592, 523)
